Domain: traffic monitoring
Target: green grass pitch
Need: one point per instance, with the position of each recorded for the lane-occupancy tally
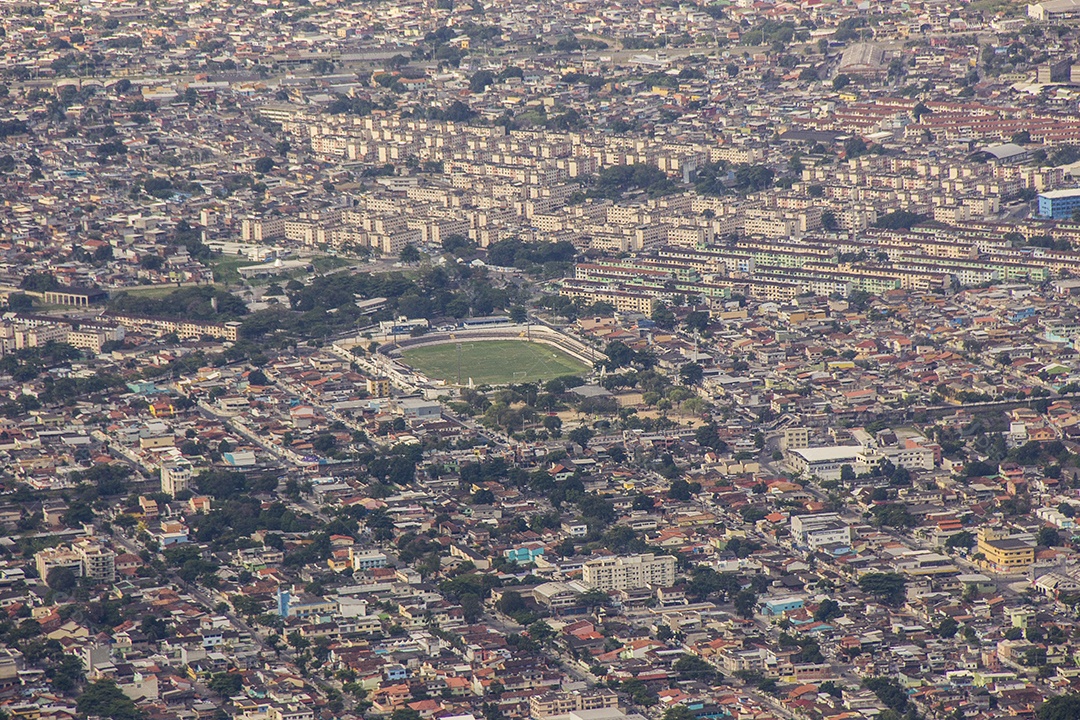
(492, 362)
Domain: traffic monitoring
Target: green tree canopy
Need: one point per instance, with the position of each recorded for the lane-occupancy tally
(104, 699)
(889, 587)
(1060, 707)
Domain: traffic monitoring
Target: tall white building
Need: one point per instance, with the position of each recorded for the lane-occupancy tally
(98, 561)
(85, 557)
(176, 477)
(625, 572)
(819, 529)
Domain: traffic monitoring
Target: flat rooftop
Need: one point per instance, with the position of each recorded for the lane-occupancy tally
(832, 452)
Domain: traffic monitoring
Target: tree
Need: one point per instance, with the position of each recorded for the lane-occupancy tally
(691, 373)
(841, 81)
(898, 220)
(894, 515)
(151, 262)
(691, 667)
(753, 178)
(20, 302)
(831, 688)
(39, 282)
(553, 425)
(947, 628)
(541, 632)
(297, 641)
(827, 610)
(471, 607)
(855, 147)
(889, 587)
(456, 242)
(324, 444)
(679, 712)
(103, 253)
(62, 579)
(745, 602)
(518, 314)
(104, 699)
(698, 320)
(708, 436)
(480, 80)
(580, 435)
(226, 684)
(409, 254)
(829, 221)
(663, 317)
(1049, 537)
(619, 355)
(962, 539)
(1060, 707)
(888, 692)
(594, 598)
(682, 490)
(768, 685)
(264, 165)
(511, 603)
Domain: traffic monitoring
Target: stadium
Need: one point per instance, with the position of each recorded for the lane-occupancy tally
(493, 354)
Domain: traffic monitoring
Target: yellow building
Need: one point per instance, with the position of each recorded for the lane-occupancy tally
(1004, 553)
(378, 387)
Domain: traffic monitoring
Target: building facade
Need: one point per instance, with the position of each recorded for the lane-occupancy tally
(629, 571)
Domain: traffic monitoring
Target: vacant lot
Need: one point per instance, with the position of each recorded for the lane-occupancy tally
(492, 362)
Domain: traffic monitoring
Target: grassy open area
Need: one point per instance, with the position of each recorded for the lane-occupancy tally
(326, 263)
(225, 267)
(492, 362)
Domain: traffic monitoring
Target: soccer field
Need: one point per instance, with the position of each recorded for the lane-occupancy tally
(492, 362)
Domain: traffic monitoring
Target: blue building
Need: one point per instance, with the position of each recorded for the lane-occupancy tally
(283, 599)
(524, 554)
(1059, 204)
(779, 606)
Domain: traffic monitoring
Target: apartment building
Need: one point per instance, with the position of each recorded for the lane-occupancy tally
(625, 572)
(820, 529)
(98, 561)
(544, 706)
(366, 559)
(58, 557)
(1003, 552)
(176, 477)
(85, 557)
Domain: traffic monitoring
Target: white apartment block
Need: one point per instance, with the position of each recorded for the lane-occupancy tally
(85, 557)
(98, 561)
(176, 477)
(814, 531)
(625, 572)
